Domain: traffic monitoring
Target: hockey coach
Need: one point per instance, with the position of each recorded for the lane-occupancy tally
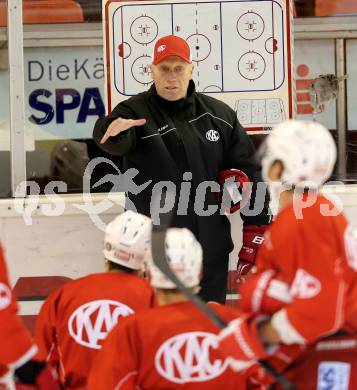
(171, 133)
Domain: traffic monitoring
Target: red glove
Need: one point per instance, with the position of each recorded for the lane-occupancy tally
(280, 359)
(239, 340)
(263, 293)
(253, 237)
(46, 379)
(235, 187)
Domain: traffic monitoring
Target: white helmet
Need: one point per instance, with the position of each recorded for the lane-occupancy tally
(184, 254)
(306, 149)
(127, 240)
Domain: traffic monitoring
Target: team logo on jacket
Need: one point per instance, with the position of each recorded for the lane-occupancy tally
(5, 296)
(212, 135)
(333, 376)
(90, 323)
(305, 285)
(186, 358)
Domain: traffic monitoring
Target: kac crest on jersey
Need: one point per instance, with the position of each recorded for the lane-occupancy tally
(90, 323)
(186, 358)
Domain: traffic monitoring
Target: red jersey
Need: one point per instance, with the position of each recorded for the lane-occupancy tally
(16, 346)
(165, 348)
(76, 318)
(312, 256)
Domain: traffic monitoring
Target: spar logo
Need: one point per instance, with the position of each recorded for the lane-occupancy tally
(212, 135)
(90, 323)
(186, 358)
(5, 296)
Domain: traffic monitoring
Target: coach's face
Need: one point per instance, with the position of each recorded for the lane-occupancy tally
(171, 77)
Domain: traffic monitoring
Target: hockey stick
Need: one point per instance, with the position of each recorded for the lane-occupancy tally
(160, 260)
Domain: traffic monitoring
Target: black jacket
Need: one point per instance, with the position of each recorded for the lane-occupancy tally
(174, 140)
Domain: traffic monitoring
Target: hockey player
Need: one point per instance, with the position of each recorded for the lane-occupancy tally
(16, 343)
(306, 280)
(16, 347)
(75, 319)
(169, 346)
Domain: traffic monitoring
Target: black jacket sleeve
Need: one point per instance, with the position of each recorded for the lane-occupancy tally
(241, 155)
(124, 142)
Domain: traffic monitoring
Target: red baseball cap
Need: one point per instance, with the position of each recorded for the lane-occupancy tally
(171, 45)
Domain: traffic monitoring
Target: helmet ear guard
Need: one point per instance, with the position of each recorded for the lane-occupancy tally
(127, 240)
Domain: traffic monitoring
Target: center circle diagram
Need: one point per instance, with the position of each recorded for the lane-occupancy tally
(251, 65)
(250, 26)
(140, 69)
(200, 47)
(144, 30)
(212, 88)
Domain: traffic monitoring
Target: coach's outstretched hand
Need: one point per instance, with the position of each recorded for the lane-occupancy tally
(119, 125)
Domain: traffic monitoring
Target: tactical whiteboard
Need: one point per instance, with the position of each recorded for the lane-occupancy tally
(242, 52)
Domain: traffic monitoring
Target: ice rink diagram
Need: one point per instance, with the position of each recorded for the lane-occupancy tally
(269, 111)
(238, 47)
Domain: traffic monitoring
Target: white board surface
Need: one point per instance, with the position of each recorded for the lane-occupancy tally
(242, 52)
